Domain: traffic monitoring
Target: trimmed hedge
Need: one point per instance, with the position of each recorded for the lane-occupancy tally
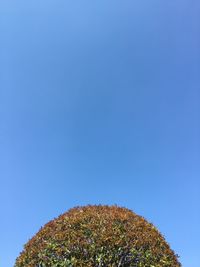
(98, 236)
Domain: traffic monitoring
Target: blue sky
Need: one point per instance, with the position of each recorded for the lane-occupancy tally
(99, 103)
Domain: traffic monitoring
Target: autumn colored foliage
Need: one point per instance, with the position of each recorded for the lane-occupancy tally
(98, 236)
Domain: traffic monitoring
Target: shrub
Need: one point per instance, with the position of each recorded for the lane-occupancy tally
(98, 236)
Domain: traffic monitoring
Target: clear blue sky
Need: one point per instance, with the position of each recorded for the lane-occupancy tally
(99, 103)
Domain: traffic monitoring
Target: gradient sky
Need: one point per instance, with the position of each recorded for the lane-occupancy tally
(99, 104)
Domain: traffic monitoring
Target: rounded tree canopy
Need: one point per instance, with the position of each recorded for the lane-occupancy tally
(98, 236)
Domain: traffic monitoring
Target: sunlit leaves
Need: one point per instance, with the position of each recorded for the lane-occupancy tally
(98, 236)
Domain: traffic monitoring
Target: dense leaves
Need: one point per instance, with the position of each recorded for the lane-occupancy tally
(98, 236)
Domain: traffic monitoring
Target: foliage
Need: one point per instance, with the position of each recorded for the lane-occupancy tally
(97, 236)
